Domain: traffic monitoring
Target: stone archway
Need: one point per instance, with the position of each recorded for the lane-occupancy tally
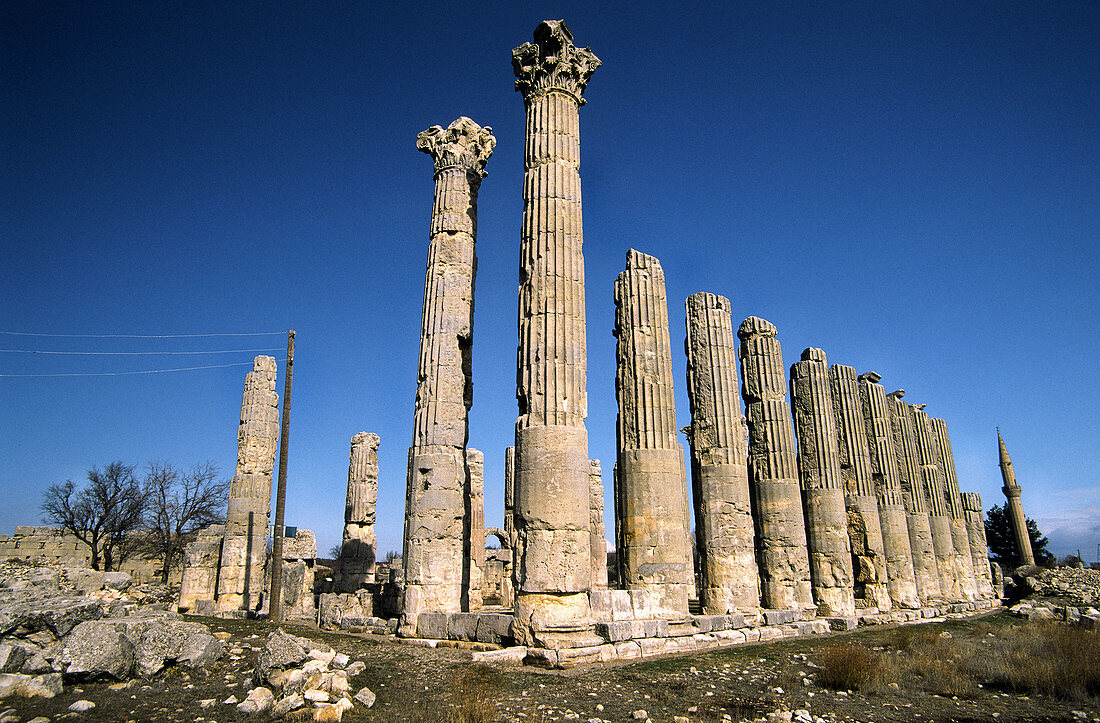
(497, 582)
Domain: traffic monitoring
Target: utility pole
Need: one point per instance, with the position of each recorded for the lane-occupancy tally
(275, 608)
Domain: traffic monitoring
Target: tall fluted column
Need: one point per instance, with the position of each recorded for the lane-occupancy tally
(864, 524)
(783, 560)
(719, 461)
(822, 485)
(941, 443)
(900, 577)
(979, 549)
(925, 569)
(656, 550)
(244, 549)
(474, 559)
(553, 565)
(935, 487)
(1015, 508)
(510, 497)
(597, 533)
(437, 473)
(359, 546)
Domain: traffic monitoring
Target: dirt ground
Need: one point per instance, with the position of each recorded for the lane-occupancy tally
(425, 685)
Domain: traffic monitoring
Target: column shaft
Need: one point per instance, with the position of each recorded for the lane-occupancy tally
(1014, 507)
(474, 558)
(979, 549)
(941, 442)
(358, 547)
(935, 488)
(596, 526)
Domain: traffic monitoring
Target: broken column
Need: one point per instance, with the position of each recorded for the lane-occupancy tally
(359, 546)
(941, 443)
(822, 486)
(719, 464)
(437, 472)
(474, 558)
(925, 569)
(935, 488)
(596, 529)
(509, 496)
(244, 549)
(1014, 507)
(979, 549)
(553, 570)
(655, 552)
(900, 579)
(783, 560)
(864, 526)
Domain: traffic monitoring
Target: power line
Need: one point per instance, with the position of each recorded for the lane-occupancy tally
(146, 371)
(133, 353)
(140, 336)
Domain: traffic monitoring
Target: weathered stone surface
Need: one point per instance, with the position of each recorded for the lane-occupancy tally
(358, 546)
(474, 537)
(597, 533)
(553, 567)
(979, 549)
(945, 458)
(900, 577)
(438, 472)
(120, 647)
(718, 439)
(1015, 507)
(55, 615)
(935, 487)
(782, 555)
(281, 650)
(822, 486)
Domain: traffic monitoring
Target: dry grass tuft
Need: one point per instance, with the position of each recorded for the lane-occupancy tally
(473, 698)
(1047, 657)
(851, 667)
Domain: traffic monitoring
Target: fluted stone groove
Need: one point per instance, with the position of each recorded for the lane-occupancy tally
(864, 523)
(718, 439)
(437, 472)
(945, 457)
(1014, 506)
(509, 496)
(656, 549)
(474, 558)
(359, 546)
(822, 485)
(900, 577)
(553, 570)
(782, 557)
(244, 548)
(979, 548)
(935, 487)
(596, 525)
(925, 568)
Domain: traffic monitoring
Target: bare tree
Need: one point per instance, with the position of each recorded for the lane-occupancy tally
(180, 503)
(102, 514)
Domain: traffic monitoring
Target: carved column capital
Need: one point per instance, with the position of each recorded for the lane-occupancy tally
(552, 62)
(463, 144)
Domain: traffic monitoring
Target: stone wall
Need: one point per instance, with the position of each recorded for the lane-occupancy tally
(54, 546)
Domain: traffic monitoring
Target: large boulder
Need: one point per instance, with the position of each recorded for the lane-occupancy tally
(120, 647)
(95, 649)
(281, 650)
(57, 615)
(117, 580)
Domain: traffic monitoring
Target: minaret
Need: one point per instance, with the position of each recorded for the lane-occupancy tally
(1014, 508)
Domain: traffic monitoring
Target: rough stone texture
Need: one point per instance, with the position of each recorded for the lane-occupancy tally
(553, 567)
(1016, 516)
(655, 549)
(597, 533)
(935, 486)
(510, 497)
(960, 539)
(474, 523)
(925, 568)
(822, 486)
(359, 546)
(718, 439)
(437, 473)
(900, 578)
(782, 555)
(979, 548)
(864, 533)
(244, 549)
(200, 568)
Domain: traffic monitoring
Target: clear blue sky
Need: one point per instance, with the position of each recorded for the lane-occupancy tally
(913, 187)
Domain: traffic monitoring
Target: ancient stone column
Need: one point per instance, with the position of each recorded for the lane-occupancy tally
(979, 549)
(945, 458)
(1015, 508)
(509, 496)
(553, 567)
(244, 550)
(935, 488)
(822, 485)
(474, 559)
(783, 560)
(656, 549)
(718, 439)
(864, 525)
(359, 546)
(900, 578)
(437, 473)
(596, 526)
(925, 569)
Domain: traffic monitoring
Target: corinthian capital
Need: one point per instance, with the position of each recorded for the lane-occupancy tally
(463, 144)
(553, 62)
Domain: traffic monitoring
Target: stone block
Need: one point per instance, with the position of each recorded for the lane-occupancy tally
(752, 635)
(616, 631)
(770, 632)
(582, 656)
(779, 617)
(627, 650)
(504, 656)
(621, 606)
(460, 626)
(653, 646)
(600, 603)
(663, 629)
(541, 657)
(432, 625)
(843, 622)
(494, 628)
